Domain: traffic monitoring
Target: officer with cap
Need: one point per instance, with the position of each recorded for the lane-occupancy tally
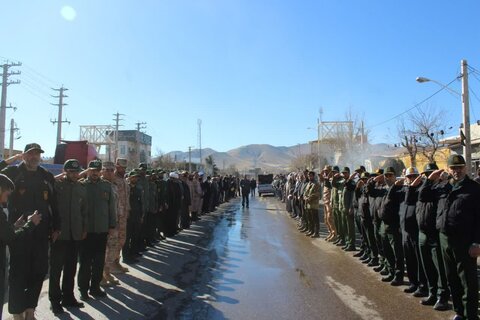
(72, 206)
(11, 232)
(143, 184)
(130, 250)
(429, 243)
(312, 202)
(34, 191)
(459, 223)
(346, 209)
(409, 226)
(101, 220)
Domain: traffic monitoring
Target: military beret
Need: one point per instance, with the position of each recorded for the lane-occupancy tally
(95, 164)
(33, 146)
(72, 165)
(456, 160)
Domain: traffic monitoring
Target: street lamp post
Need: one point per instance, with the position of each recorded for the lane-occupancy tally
(467, 148)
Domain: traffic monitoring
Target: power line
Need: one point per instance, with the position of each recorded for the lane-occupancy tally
(414, 106)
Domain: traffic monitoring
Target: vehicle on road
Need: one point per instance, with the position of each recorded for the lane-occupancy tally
(265, 184)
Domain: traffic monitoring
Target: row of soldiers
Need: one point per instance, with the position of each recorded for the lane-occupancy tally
(425, 222)
(99, 217)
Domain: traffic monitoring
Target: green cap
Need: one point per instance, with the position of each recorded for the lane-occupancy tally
(72, 165)
(95, 164)
(346, 169)
(430, 167)
(143, 166)
(134, 173)
(33, 146)
(389, 170)
(456, 160)
(365, 175)
(336, 169)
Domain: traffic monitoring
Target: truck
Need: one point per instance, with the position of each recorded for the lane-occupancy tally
(80, 150)
(265, 184)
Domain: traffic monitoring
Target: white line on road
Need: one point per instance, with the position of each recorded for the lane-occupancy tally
(359, 304)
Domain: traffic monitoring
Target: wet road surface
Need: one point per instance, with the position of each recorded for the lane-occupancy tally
(258, 266)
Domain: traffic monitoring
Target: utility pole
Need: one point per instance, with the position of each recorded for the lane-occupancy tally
(199, 123)
(140, 126)
(13, 129)
(190, 159)
(117, 124)
(467, 148)
(60, 106)
(362, 137)
(3, 104)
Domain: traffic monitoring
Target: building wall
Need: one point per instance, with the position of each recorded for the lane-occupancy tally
(441, 157)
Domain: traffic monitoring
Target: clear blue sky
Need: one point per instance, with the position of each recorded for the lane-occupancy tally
(254, 71)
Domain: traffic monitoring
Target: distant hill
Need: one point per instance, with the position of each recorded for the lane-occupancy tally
(264, 156)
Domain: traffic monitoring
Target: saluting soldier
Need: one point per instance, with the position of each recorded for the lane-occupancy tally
(34, 191)
(135, 217)
(72, 207)
(312, 203)
(108, 174)
(101, 220)
(11, 232)
(459, 223)
(123, 209)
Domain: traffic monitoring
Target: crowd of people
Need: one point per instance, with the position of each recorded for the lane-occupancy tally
(98, 220)
(425, 223)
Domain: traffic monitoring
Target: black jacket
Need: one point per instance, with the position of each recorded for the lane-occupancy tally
(458, 211)
(390, 207)
(426, 209)
(408, 219)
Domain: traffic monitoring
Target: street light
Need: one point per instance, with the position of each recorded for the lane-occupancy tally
(423, 79)
(467, 148)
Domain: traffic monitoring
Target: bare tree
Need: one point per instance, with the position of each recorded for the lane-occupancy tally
(429, 124)
(408, 139)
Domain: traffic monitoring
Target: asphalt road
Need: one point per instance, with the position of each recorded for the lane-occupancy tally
(266, 269)
(248, 264)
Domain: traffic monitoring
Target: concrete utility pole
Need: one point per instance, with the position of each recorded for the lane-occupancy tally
(13, 129)
(190, 159)
(140, 126)
(467, 148)
(60, 106)
(117, 125)
(3, 105)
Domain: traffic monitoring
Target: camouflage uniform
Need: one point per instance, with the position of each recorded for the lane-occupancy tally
(123, 192)
(112, 239)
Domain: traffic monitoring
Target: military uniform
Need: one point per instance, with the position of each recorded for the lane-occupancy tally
(123, 208)
(429, 243)
(7, 236)
(312, 203)
(101, 218)
(72, 206)
(34, 190)
(131, 247)
(459, 223)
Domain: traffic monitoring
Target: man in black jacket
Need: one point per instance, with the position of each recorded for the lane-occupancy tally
(11, 232)
(430, 251)
(34, 190)
(389, 214)
(459, 224)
